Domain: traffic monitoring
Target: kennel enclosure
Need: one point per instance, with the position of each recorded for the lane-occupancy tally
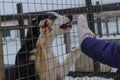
(103, 19)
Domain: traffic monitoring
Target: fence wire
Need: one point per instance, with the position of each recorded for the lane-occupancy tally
(19, 36)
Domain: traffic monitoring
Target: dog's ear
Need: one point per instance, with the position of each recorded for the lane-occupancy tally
(37, 20)
(34, 22)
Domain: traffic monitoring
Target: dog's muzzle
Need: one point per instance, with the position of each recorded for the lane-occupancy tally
(67, 25)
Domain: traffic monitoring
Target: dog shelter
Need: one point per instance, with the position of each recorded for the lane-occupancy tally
(16, 16)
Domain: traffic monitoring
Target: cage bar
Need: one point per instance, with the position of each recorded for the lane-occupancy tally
(2, 68)
(80, 10)
(21, 22)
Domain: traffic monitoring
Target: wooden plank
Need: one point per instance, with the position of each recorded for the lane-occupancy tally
(2, 70)
(14, 27)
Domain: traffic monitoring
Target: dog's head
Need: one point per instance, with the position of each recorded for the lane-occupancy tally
(53, 22)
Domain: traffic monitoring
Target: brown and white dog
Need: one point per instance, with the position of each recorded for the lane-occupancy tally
(47, 64)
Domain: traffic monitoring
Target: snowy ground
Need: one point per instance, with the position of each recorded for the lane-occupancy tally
(87, 78)
(12, 45)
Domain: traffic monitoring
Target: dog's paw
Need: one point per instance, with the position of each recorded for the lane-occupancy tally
(33, 51)
(32, 55)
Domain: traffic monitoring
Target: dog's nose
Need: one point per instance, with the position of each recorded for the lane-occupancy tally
(70, 17)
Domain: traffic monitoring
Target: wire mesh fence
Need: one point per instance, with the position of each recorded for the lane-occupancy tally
(19, 37)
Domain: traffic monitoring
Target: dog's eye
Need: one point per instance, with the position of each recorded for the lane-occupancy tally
(52, 17)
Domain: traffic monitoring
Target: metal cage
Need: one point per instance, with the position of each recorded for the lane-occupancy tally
(15, 19)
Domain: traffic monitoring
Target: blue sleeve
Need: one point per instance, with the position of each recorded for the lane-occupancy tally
(102, 51)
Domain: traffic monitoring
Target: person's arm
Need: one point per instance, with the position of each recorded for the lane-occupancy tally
(102, 51)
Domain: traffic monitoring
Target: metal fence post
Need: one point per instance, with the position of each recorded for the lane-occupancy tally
(67, 42)
(117, 26)
(90, 19)
(99, 26)
(21, 22)
(2, 70)
(107, 28)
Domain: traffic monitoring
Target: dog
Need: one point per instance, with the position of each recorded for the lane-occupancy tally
(47, 65)
(25, 69)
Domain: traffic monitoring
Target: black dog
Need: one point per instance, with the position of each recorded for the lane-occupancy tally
(25, 69)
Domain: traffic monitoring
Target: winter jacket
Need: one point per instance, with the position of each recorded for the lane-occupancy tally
(105, 52)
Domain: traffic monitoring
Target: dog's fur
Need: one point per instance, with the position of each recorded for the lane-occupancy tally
(47, 65)
(25, 69)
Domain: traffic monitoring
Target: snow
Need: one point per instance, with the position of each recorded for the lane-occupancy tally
(87, 78)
